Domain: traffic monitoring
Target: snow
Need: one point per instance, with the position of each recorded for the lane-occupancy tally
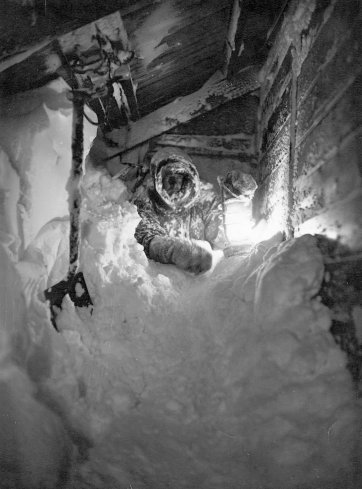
(226, 380)
(9, 195)
(35, 149)
(35, 447)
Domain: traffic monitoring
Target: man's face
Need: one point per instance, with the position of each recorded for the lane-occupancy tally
(173, 183)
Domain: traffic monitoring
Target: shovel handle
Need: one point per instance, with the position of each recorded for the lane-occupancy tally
(75, 198)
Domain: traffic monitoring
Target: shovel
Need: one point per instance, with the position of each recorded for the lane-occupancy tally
(74, 285)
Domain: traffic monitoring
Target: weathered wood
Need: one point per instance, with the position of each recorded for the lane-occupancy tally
(191, 52)
(130, 10)
(233, 145)
(26, 25)
(177, 84)
(18, 58)
(331, 182)
(129, 90)
(83, 38)
(42, 60)
(330, 84)
(214, 93)
(185, 14)
(230, 40)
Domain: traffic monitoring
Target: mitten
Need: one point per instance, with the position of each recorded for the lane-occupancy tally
(193, 256)
(190, 255)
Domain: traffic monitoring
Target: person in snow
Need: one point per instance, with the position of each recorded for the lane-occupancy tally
(181, 217)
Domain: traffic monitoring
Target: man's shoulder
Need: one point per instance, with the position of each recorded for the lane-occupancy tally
(209, 197)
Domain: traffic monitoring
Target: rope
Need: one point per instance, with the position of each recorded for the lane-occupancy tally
(90, 120)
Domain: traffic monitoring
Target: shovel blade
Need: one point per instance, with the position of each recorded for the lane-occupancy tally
(77, 290)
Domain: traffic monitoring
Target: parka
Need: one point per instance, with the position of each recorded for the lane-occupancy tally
(196, 215)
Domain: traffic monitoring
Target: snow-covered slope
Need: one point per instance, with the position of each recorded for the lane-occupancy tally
(227, 380)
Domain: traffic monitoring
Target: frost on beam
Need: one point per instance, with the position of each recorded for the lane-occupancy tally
(214, 93)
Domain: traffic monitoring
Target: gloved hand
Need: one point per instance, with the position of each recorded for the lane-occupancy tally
(191, 255)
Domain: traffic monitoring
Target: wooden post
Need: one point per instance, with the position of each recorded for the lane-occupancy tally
(74, 185)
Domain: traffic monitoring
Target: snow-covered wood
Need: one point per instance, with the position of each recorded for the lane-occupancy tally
(230, 145)
(110, 25)
(230, 41)
(214, 93)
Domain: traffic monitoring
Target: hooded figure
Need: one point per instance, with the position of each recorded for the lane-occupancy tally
(181, 219)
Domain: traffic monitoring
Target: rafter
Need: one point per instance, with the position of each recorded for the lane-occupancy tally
(214, 93)
(235, 145)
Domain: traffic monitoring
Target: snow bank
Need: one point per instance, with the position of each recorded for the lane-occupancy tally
(35, 157)
(227, 380)
(36, 450)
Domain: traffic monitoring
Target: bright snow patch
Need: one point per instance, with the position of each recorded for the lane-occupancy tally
(227, 380)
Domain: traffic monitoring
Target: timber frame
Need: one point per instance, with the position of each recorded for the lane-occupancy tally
(215, 92)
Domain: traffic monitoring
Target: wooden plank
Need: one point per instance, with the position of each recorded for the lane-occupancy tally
(129, 91)
(329, 85)
(276, 155)
(185, 13)
(83, 38)
(18, 58)
(179, 84)
(135, 7)
(280, 83)
(40, 68)
(214, 93)
(279, 118)
(179, 57)
(289, 31)
(234, 117)
(42, 61)
(344, 119)
(232, 145)
(236, 24)
(332, 182)
(27, 25)
(331, 34)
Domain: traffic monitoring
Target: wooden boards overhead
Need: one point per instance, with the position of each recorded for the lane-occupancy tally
(214, 93)
(236, 145)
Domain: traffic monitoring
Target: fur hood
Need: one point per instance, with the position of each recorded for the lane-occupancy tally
(173, 160)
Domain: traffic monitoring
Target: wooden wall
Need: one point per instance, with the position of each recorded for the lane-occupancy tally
(310, 142)
(310, 124)
(217, 140)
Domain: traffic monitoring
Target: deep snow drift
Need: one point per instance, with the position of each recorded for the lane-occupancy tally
(35, 158)
(227, 380)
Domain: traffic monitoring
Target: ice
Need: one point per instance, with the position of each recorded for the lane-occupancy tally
(226, 380)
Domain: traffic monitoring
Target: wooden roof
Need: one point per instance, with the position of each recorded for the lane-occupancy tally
(179, 44)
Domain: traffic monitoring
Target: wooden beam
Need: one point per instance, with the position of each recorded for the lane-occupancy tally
(111, 25)
(18, 58)
(230, 39)
(41, 61)
(214, 93)
(25, 25)
(129, 89)
(236, 145)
